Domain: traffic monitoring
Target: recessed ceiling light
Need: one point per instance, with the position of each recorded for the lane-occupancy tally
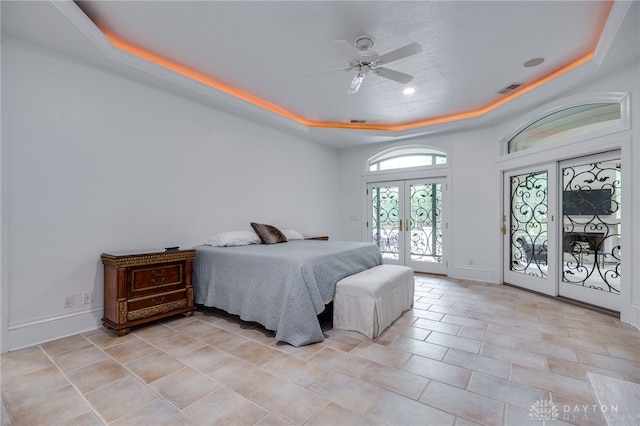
(533, 62)
(409, 91)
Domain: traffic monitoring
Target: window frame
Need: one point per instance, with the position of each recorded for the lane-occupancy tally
(418, 147)
(622, 98)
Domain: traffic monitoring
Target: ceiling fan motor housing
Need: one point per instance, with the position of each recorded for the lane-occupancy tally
(364, 43)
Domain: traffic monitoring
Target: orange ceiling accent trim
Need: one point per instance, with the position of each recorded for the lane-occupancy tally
(202, 78)
(261, 103)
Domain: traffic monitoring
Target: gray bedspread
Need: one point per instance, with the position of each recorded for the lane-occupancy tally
(281, 286)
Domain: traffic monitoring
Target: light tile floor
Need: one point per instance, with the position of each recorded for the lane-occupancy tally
(467, 353)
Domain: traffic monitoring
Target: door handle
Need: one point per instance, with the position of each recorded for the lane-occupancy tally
(407, 224)
(400, 225)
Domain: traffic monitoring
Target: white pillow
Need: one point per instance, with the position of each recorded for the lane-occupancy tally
(292, 235)
(233, 238)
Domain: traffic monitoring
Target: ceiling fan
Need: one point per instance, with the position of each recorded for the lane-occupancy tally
(364, 61)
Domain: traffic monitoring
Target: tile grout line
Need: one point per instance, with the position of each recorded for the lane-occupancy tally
(181, 410)
(523, 322)
(93, 409)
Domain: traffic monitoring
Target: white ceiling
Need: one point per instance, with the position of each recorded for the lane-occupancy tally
(277, 52)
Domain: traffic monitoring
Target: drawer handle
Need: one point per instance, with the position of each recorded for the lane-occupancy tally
(156, 301)
(157, 274)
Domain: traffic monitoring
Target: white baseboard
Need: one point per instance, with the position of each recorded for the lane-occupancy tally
(485, 275)
(43, 330)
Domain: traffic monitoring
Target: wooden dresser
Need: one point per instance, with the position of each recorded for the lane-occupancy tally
(144, 287)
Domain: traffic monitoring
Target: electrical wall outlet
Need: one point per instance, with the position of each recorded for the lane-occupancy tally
(67, 301)
(88, 298)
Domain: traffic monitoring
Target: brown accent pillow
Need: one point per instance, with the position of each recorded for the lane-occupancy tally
(268, 234)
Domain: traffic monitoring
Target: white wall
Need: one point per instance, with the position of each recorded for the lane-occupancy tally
(474, 198)
(96, 163)
(475, 187)
(475, 207)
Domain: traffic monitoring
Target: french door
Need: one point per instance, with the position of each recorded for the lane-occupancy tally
(591, 230)
(407, 223)
(528, 229)
(562, 229)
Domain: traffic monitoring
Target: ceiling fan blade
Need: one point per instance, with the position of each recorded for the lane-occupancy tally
(356, 83)
(398, 76)
(347, 49)
(403, 52)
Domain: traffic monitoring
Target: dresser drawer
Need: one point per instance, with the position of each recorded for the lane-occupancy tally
(157, 303)
(156, 277)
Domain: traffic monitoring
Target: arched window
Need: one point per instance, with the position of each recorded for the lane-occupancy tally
(567, 123)
(406, 157)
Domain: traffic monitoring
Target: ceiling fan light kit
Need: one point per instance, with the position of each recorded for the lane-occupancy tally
(356, 83)
(363, 60)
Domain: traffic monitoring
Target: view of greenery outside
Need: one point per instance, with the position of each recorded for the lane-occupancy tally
(384, 220)
(425, 221)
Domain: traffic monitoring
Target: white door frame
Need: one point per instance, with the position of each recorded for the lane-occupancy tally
(546, 285)
(606, 145)
(401, 215)
(581, 293)
(428, 267)
(611, 139)
(402, 178)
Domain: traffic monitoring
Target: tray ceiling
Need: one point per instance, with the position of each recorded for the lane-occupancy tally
(273, 56)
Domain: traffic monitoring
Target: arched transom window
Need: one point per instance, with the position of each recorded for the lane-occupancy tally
(567, 123)
(406, 157)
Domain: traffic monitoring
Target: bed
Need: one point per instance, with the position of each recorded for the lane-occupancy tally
(281, 286)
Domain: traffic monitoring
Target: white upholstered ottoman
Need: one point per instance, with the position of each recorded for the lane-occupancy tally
(369, 301)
